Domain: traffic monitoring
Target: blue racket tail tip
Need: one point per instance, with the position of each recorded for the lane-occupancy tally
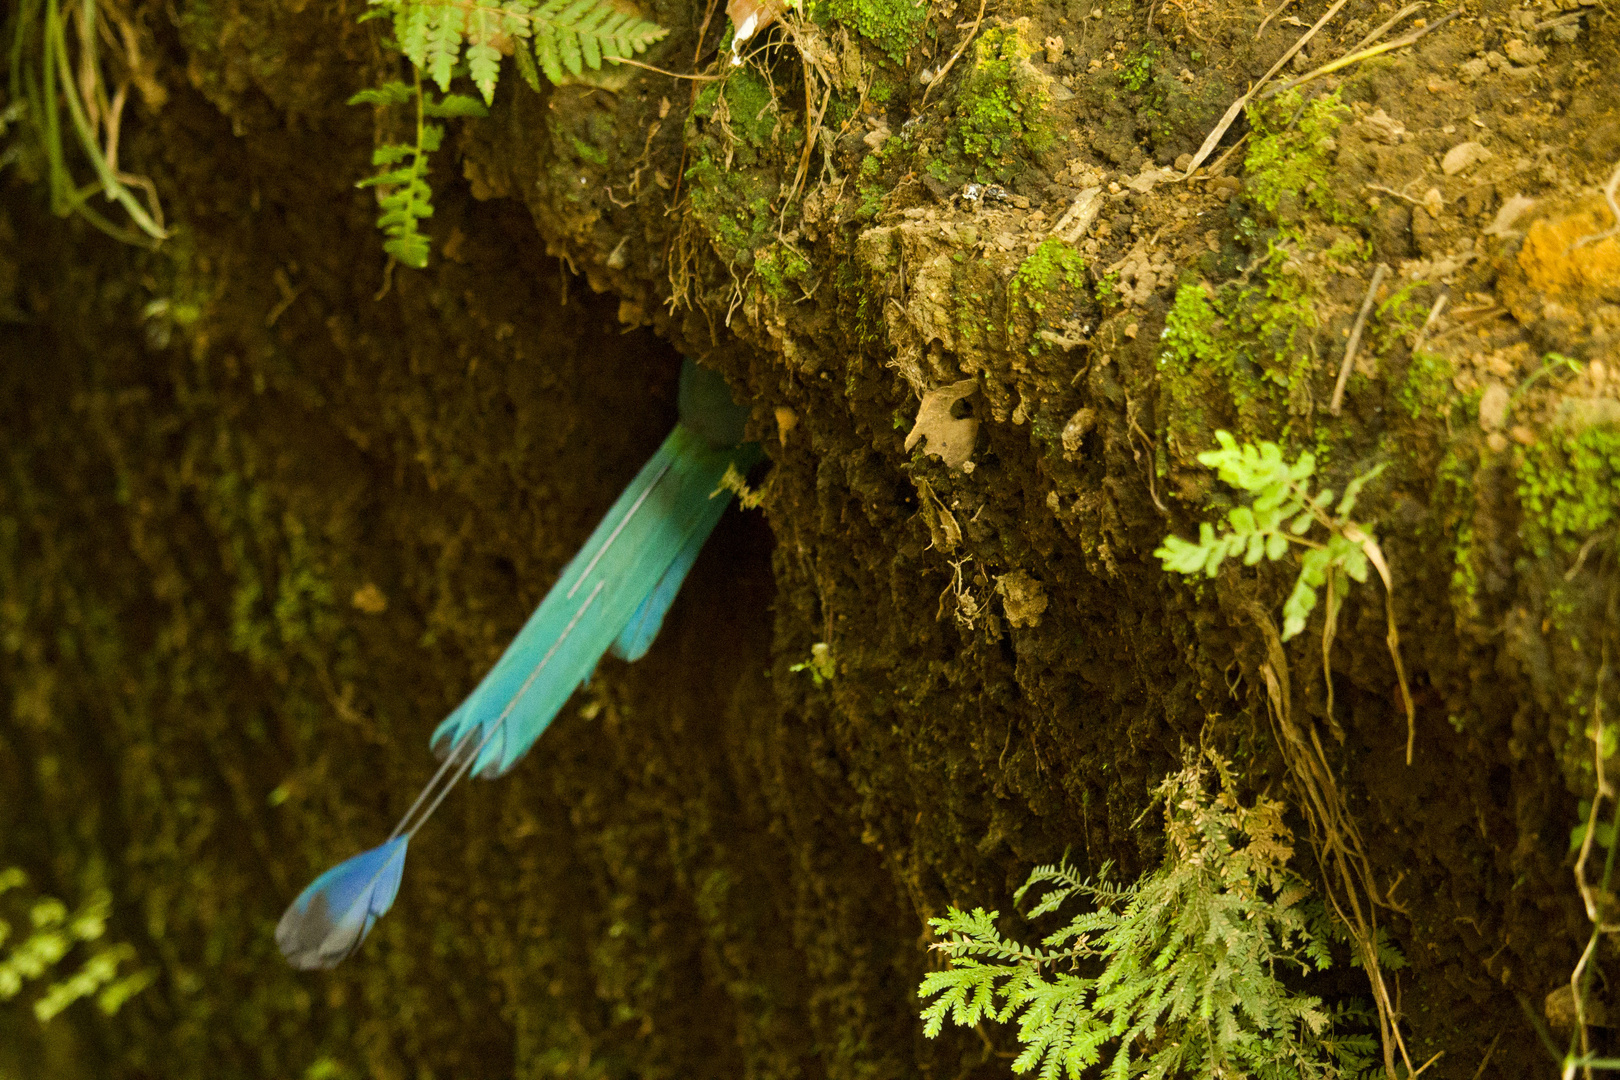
(329, 919)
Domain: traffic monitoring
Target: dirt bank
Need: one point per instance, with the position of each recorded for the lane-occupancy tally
(270, 507)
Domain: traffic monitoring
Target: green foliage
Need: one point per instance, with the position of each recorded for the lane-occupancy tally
(53, 933)
(55, 62)
(892, 25)
(1282, 513)
(1000, 107)
(401, 178)
(820, 666)
(1178, 974)
(1295, 157)
(566, 36)
(1569, 487)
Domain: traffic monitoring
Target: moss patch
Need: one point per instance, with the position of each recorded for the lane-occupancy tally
(1001, 105)
(1052, 277)
(894, 26)
(1290, 165)
(1252, 344)
(1569, 488)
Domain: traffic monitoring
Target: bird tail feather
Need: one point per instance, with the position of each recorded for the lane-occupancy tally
(621, 575)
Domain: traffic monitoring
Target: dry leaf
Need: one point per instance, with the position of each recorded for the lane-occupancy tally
(1022, 597)
(949, 439)
(749, 17)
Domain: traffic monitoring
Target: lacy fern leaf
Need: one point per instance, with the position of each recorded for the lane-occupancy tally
(404, 195)
(565, 37)
(1178, 974)
(1282, 514)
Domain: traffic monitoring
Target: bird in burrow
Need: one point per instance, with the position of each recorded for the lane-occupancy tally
(611, 597)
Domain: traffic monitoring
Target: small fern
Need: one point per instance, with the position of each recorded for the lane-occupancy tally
(1175, 975)
(52, 935)
(1283, 512)
(447, 38)
(401, 179)
(565, 37)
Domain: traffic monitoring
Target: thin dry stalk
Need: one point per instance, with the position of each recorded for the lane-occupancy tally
(1355, 338)
(1333, 834)
(1276, 11)
(1489, 1050)
(1237, 106)
(1388, 25)
(1592, 896)
(939, 76)
(1428, 324)
(1363, 54)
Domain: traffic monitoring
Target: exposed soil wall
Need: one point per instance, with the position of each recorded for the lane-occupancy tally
(270, 508)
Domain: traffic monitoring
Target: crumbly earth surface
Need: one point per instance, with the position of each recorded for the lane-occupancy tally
(268, 509)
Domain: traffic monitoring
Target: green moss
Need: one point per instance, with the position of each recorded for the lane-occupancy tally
(1569, 488)
(1000, 109)
(1138, 70)
(736, 141)
(587, 152)
(1253, 344)
(1295, 162)
(894, 26)
(780, 267)
(1055, 271)
(1427, 388)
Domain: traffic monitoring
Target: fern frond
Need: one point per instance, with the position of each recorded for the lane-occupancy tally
(565, 37)
(1189, 955)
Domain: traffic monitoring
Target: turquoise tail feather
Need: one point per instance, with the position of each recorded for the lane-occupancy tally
(638, 634)
(614, 595)
(621, 573)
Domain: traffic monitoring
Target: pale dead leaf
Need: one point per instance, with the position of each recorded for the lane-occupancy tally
(949, 439)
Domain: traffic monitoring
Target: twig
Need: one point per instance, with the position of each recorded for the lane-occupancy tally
(1489, 1050)
(1580, 979)
(1398, 194)
(1278, 10)
(939, 76)
(1355, 337)
(1428, 324)
(1220, 162)
(1364, 54)
(1388, 23)
(1608, 194)
(1586, 549)
(1491, 314)
(1562, 20)
(1237, 106)
(661, 71)
(1426, 1064)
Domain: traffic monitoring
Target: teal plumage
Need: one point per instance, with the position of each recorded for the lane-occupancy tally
(658, 524)
(612, 596)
